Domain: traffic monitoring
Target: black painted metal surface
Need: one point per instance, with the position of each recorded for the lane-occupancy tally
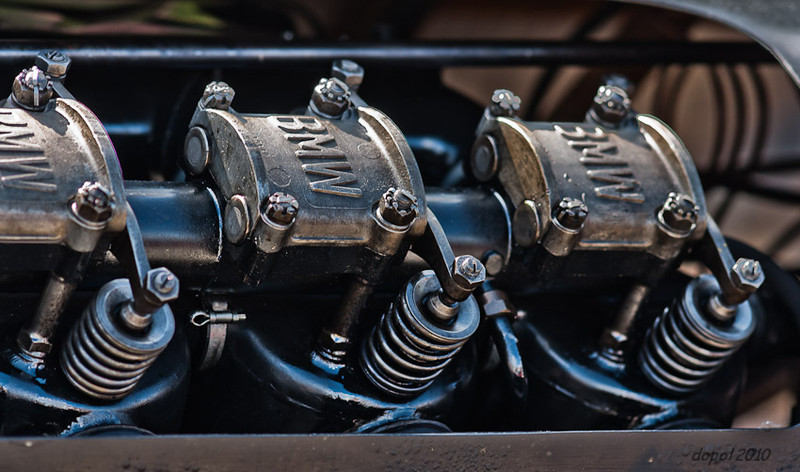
(414, 55)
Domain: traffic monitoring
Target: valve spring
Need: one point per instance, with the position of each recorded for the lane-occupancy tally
(684, 348)
(407, 350)
(103, 359)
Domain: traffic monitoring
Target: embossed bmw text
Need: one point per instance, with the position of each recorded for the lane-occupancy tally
(604, 164)
(320, 156)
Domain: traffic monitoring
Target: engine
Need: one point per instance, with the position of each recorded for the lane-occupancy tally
(300, 278)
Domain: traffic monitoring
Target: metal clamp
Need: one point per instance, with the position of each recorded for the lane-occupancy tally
(215, 322)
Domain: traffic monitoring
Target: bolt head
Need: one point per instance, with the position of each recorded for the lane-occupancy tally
(93, 203)
(571, 213)
(747, 275)
(348, 72)
(526, 225)
(498, 307)
(54, 63)
(611, 105)
(468, 272)
(281, 208)
(161, 285)
(398, 207)
(504, 103)
(484, 158)
(237, 219)
(196, 150)
(218, 95)
(331, 97)
(494, 262)
(33, 343)
(679, 213)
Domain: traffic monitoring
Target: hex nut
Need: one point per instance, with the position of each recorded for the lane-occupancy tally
(331, 98)
(33, 343)
(468, 272)
(161, 285)
(93, 203)
(54, 63)
(348, 72)
(281, 208)
(621, 81)
(613, 341)
(570, 213)
(611, 105)
(747, 274)
(398, 207)
(679, 213)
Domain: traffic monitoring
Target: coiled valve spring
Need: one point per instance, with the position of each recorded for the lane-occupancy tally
(685, 347)
(408, 349)
(102, 358)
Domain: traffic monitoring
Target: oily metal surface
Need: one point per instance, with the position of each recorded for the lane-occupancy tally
(740, 450)
(337, 169)
(45, 157)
